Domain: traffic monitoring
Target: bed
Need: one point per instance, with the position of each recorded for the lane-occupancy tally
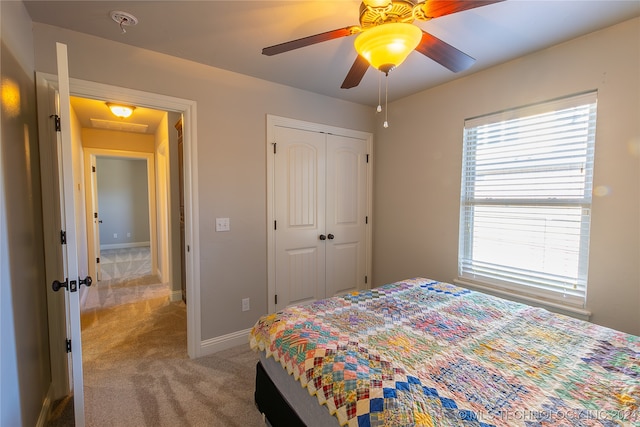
(425, 353)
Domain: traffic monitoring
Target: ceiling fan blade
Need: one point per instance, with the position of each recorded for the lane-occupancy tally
(437, 8)
(307, 41)
(443, 53)
(356, 73)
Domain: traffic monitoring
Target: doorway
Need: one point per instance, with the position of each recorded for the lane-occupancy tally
(124, 219)
(129, 309)
(185, 109)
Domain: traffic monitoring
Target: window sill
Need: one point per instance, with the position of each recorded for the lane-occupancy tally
(576, 312)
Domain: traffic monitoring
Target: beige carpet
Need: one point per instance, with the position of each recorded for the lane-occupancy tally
(137, 372)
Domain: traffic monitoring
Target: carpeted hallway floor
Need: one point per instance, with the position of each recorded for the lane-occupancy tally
(136, 368)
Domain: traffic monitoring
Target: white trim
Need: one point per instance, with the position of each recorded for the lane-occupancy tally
(223, 342)
(551, 306)
(176, 296)
(46, 408)
(272, 122)
(188, 109)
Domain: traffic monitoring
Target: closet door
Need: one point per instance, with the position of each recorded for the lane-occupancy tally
(299, 206)
(346, 214)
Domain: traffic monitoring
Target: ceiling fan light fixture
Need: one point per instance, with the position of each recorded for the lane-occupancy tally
(386, 46)
(120, 110)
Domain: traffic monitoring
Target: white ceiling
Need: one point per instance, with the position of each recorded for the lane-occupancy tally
(231, 35)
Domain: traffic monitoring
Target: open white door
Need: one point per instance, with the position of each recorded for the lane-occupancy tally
(71, 282)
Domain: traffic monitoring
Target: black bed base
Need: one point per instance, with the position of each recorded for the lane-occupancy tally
(272, 404)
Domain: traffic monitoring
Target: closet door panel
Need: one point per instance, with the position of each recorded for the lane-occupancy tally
(299, 201)
(346, 214)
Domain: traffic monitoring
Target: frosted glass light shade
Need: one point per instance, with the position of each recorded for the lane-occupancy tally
(122, 111)
(386, 46)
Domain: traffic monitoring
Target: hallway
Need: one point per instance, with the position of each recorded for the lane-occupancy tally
(136, 368)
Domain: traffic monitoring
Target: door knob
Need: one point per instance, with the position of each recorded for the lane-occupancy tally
(323, 237)
(86, 281)
(330, 236)
(56, 285)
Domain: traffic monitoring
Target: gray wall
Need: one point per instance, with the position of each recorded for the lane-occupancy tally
(123, 201)
(25, 372)
(418, 165)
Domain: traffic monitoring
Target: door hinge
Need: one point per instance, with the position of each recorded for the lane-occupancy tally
(274, 147)
(56, 122)
(366, 279)
(63, 237)
(93, 168)
(276, 299)
(68, 345)
(98, 260)
(95, 215)
(275, 225)
(366, 219)
(367, 158)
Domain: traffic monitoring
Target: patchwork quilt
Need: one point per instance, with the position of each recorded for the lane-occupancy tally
(426, 353)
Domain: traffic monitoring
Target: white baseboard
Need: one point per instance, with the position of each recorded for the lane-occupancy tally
(125, 245)
(176, 296)
(46, 408)
(223, 342)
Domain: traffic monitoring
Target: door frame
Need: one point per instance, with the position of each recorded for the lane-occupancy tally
(278, 121)
(152, 199)
(188, 109)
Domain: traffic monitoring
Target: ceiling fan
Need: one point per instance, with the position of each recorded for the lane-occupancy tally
(388, 24)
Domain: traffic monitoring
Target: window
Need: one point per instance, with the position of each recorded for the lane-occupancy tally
(525, 204)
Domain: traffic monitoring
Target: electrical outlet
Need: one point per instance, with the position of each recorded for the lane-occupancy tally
(246, 306)
(115, 235)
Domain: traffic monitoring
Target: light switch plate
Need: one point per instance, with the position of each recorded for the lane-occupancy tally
(222, 224)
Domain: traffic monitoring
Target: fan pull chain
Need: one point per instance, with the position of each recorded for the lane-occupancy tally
(379, 90)
(386, 93)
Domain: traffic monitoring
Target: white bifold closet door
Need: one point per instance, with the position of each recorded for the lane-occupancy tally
(320, 206)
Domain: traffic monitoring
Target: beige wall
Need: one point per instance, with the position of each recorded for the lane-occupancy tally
(231, 120)
(418, 165)
(116, 140)
(162, 163)
(25, 373)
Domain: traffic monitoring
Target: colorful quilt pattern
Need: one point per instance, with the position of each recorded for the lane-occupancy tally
(426, 353)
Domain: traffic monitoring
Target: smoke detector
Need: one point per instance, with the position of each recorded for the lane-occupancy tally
(123, 19)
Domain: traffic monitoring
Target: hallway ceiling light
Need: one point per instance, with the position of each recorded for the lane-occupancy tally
(120, 110)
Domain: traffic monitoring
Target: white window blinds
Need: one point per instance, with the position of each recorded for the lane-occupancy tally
(526, 199)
